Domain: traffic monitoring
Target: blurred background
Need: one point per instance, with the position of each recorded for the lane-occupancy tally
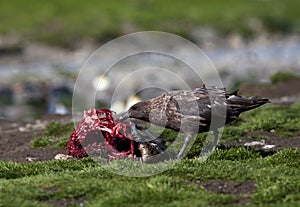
(255, 45)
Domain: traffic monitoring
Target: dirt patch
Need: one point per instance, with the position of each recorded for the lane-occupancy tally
(283, 92)
(272, 143)
(52, 189)
(15, 138)
(228, 187)
(66, 202)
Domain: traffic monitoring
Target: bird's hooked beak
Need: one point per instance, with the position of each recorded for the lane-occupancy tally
(125, 116)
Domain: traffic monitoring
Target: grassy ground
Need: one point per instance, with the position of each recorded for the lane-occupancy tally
(276, 182)
(233, 176)
(63, 22)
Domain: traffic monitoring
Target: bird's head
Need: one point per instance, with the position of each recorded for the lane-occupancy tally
(139, 110)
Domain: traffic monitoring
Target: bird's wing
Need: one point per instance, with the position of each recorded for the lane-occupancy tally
(189, 103)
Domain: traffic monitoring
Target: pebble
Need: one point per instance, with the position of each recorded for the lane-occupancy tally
(269, 146)
(38, 125)
(255, 143)
(23, 129)
(32, 159)
(63, 157)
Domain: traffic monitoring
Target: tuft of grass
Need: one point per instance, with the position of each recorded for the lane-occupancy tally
(197, 146)
(234, 154)
(56, 135)
(281, 76)
(280, 189)
(282, 119)
(232, 133)
(40, 142)
(56, 129)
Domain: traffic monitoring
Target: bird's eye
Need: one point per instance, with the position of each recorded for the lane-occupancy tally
(134, 107)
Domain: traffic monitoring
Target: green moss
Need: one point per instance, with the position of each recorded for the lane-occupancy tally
(239, 153)
(197, 146)
(278, 189)
(169, 135)
(56, 135)
(282, 76)
(232, 133)
(39, 142)
(296, 106)
(281, 119)
(53, 141)
(56, 129)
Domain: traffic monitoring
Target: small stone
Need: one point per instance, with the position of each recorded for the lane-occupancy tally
(38, 125)
(268, 146)
(255, 143)
(31, 159)
(62, 157)
(23, 129)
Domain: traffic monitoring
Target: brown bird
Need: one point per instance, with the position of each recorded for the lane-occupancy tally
(192, 112)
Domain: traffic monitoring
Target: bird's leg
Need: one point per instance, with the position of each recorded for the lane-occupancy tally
(185, 145)
(135, 133)
(216, 138)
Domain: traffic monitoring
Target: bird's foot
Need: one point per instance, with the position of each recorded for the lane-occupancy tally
(184, 147)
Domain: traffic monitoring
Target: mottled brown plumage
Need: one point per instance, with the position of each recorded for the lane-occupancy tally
(190, 112)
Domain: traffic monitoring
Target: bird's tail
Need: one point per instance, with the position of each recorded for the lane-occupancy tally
(241, 103)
